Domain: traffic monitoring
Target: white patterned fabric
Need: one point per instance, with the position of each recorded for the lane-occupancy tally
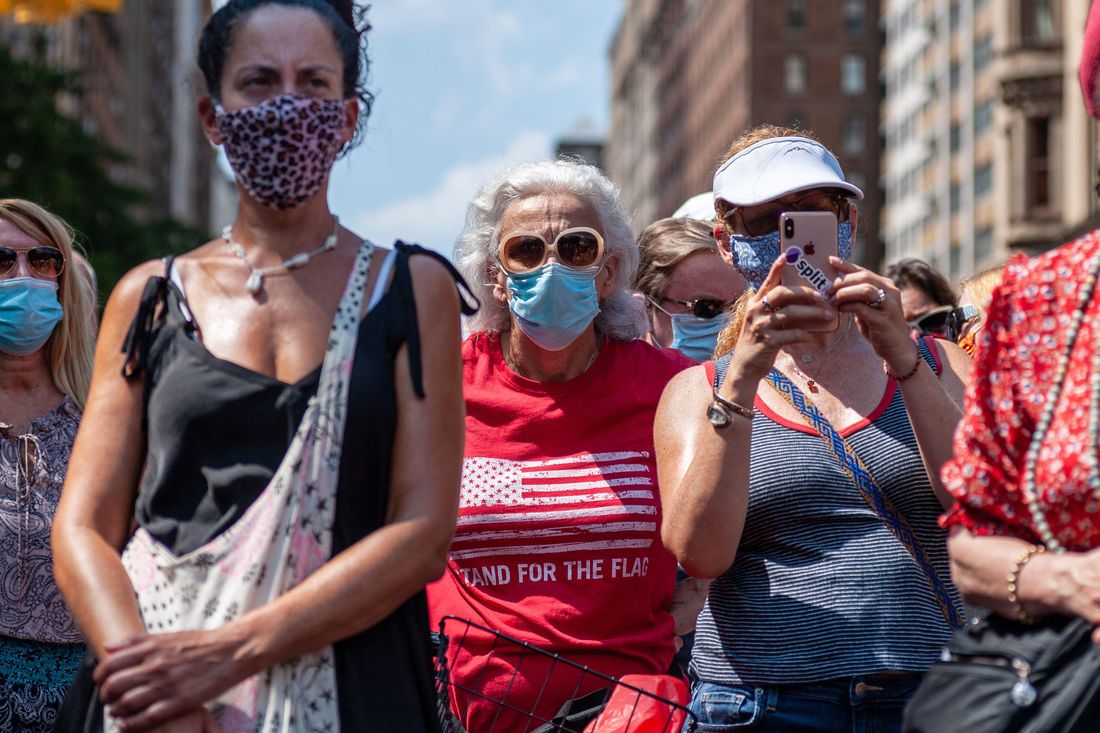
(282, 538)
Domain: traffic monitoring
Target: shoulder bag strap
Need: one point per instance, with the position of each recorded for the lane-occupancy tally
(868, 489)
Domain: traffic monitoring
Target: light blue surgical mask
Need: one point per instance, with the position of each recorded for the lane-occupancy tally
(29, 311)
(696, 337)
(753, 256)
(554, 304)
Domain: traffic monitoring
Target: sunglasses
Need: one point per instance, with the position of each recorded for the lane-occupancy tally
(43, 261)
(934, 322)
(579, 248)
(958, 318)
(700, 307)
(756, 221)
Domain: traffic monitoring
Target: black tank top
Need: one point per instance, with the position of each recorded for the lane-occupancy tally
(217, 432)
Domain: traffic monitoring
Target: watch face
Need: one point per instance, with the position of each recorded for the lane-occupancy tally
(718, 415)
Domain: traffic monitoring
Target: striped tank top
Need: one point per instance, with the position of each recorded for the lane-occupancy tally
(820, 588)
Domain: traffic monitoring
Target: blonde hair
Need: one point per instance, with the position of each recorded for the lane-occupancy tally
(979, 288)
(727, 339)
(70, 347)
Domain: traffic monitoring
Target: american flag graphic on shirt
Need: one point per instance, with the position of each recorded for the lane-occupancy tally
(584, 502)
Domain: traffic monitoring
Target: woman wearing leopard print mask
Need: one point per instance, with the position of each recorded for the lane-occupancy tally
(272, 571)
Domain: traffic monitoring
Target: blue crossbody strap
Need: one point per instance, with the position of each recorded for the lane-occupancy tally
(861, 477)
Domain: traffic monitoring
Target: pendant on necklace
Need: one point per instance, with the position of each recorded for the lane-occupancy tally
(255, 282)
(812, 386)
(806, 358)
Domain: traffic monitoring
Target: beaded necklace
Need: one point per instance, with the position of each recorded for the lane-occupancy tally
(255, 282)
(1027, 481)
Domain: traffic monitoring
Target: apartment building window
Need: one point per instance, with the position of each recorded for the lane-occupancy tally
(953, 76)
(1038, 166)
(796, 15)
(1037, 22)
(983, 116)
(953, 15)
(854, 13)
(983, 180)
(797, 121)
(853, 135)
(857, 179)
(983, 51)
(954, 259)
(956, 198)
(956, 138)
(794, 73)
(983, 243)
(853, 74)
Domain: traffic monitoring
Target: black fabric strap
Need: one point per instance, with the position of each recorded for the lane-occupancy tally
(403, 279)
(151, 313)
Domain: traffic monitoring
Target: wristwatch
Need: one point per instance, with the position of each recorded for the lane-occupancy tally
(720, 412)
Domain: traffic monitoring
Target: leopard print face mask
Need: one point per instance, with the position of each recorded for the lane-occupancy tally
(282, 149)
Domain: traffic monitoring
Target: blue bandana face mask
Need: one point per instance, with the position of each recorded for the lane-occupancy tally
(554, 304)
(29, 311)
(753, 256)
(696, 337)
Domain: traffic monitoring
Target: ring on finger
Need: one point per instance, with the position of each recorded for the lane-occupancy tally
(768, 306)
(877, 302)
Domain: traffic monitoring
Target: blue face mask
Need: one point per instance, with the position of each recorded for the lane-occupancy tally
(29, 311)
(696, 337)
(753, 256)
(554, 304)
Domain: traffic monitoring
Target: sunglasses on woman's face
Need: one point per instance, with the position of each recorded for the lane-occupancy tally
(43, 261)
(932, 323)
(580, 248)
(700, 307)
(756, 221)
(958, 318)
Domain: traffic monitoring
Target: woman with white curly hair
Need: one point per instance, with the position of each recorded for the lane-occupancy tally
(558, 538)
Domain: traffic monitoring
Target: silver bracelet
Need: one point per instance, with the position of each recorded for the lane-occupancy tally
(721, 411)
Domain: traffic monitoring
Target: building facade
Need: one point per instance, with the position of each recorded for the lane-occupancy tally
(139, 87)
(689, 76)
(988, 147)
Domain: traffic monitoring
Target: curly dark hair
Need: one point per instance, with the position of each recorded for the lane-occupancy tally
(349, 28)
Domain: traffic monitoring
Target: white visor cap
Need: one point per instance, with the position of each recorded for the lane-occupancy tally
(700, 206)
(773, 168)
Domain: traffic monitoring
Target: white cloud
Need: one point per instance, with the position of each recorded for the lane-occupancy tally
(436, 217)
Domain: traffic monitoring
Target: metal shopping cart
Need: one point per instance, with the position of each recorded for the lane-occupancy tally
(599, 703)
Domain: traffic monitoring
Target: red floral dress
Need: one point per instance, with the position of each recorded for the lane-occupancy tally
(1024, 338)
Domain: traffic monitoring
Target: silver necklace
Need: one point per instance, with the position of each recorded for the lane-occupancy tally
(1027, 482)
(811, 383)
(255, 282)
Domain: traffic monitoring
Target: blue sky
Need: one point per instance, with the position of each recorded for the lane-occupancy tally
(465, 88)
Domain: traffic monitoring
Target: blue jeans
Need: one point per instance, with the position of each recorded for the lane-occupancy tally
(867, 704)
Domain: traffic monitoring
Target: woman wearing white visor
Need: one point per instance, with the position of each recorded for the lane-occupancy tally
(800, 470)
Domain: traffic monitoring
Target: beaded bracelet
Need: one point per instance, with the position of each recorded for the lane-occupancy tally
(1014, 580)
(903, 377)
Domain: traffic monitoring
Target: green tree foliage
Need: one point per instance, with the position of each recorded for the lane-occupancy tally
(46, 157)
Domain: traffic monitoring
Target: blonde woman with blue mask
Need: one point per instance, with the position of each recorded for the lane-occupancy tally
(47, 330)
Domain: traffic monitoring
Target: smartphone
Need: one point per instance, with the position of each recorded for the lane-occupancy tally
(807, 239)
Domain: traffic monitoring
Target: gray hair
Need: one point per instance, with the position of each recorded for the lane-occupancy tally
(476, 248)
